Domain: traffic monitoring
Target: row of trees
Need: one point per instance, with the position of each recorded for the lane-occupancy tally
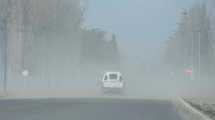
(192, 45)
(47, 36)
(99, 47)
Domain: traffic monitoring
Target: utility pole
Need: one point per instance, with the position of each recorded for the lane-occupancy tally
(6, 20)
(199, 60)
(192, 47)
(5, 55)
(192, 56)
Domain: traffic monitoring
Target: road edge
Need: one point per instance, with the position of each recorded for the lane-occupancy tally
(193, 110)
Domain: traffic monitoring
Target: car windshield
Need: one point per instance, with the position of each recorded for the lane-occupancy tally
(107, 59)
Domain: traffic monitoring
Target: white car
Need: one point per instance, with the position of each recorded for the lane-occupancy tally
(113, 80)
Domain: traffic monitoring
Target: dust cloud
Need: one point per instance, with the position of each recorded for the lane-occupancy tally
(48, 41)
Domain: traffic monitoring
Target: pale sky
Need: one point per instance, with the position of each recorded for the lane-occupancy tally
(141, 26)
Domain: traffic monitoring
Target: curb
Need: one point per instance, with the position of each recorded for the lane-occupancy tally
(193, 110)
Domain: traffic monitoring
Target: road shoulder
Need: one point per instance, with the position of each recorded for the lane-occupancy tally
(191, 110)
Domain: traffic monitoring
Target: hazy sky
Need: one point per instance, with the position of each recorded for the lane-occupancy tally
(140, 25)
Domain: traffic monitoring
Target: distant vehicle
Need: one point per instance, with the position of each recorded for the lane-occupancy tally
(112, 80)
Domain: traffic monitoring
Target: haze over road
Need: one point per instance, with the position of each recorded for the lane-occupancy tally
(87, 109)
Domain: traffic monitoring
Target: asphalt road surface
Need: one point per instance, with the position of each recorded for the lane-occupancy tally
(87, 109)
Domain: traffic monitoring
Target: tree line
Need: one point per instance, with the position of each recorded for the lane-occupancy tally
(48, 34)
(192, 45)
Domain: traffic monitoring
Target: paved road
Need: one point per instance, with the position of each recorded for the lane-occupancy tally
(87, 109)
